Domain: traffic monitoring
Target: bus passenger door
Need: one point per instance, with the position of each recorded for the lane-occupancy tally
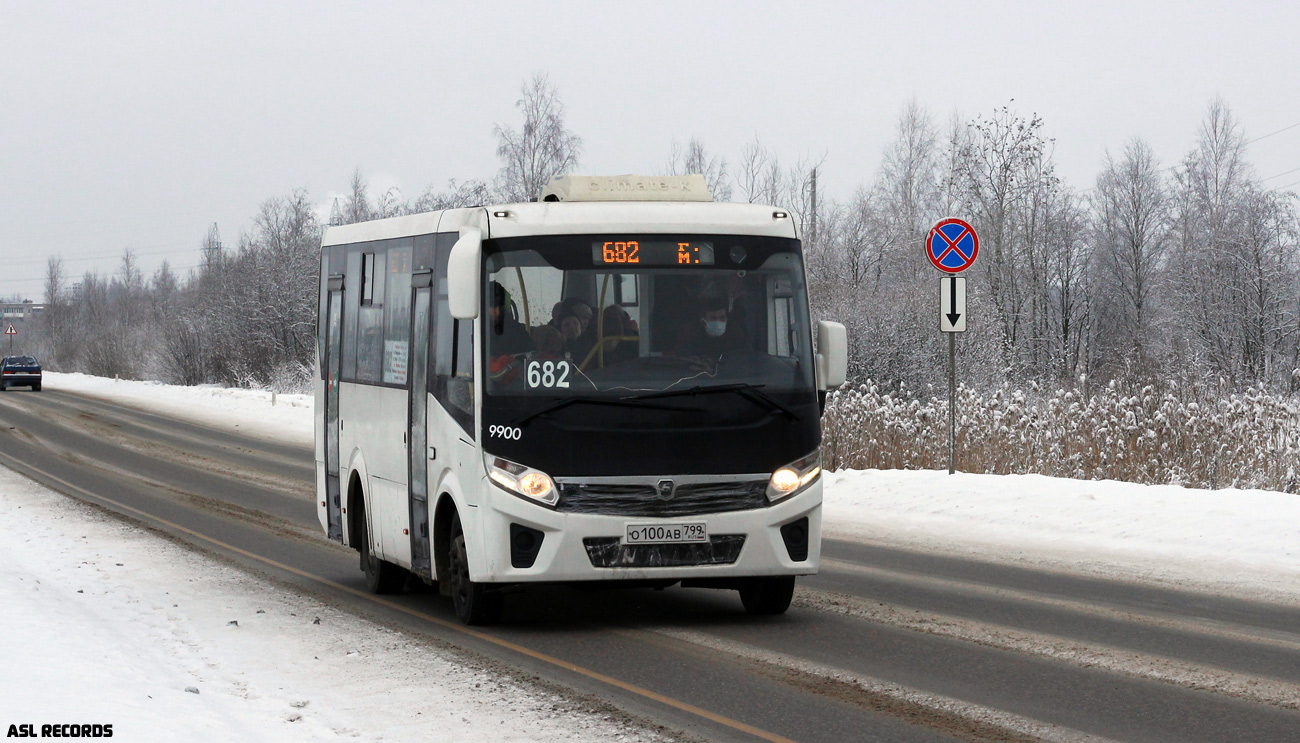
(418, 451)
(333, 338)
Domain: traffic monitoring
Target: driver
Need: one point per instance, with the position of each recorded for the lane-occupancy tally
(712, 333)
(507, 336)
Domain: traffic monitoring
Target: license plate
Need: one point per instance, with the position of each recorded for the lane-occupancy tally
(666, 533)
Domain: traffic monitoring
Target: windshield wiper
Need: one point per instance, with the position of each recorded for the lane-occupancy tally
(621, 402)
(751, 392)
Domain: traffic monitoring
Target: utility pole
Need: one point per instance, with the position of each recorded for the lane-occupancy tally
(812, 220)
(212, 247)
(336, 214)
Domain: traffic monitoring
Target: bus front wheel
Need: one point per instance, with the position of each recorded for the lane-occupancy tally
(767, 595)
(475, 603)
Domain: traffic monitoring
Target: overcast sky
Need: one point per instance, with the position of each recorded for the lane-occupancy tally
(139, 124)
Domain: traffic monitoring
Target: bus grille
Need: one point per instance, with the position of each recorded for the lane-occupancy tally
(610, 552)
(615, 499)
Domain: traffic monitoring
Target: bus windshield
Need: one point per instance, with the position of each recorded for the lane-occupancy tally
(638, 316)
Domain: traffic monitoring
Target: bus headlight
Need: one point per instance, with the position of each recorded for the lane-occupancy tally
(520, 480)
(794, 477)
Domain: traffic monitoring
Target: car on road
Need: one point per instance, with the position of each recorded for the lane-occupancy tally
(20, 371)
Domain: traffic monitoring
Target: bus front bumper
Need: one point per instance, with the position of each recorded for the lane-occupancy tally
(593, 547)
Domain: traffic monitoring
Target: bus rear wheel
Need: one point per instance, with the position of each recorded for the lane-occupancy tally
(767, 595)
(381, 576)
(475, 603)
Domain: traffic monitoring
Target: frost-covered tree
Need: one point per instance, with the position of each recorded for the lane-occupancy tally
(1130, 206)
(453, 196)
(57, 314)
(759, 176)
(356, 205)
(1004, 179)
(1208, 290)
(542, 147)
(694, 159)
(908, 185)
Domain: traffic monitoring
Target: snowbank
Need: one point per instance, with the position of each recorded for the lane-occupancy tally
(1237, 541)
(106, 624)
(287, 419)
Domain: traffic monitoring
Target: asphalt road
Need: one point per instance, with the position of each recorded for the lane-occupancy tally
(883, 645)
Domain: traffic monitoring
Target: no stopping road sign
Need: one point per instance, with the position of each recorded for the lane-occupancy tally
(952, 246)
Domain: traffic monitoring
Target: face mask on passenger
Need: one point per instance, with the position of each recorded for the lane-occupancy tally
(715, 328)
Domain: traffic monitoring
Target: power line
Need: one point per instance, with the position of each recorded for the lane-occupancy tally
(1279, 131)
(70, 279)
(107, 256)
(1279, 188)
(1279, 175)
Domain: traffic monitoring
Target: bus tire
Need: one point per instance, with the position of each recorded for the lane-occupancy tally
(767, 596)
(381, 576)
(475, 603)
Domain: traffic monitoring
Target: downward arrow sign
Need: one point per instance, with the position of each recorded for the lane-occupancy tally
(953, 317)
(952, 304)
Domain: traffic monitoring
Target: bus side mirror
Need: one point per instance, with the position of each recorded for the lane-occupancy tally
(832, 355)
(462, 274)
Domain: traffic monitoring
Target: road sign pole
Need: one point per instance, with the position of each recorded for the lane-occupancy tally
(952, 403)
(952, 246)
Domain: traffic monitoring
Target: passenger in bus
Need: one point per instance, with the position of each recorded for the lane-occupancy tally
(582, 311)
(559, 311)
(629, 325)
(711, 335)
(549, 343)
(611, 348)
(624, 346)
(570, 330)
(571, 307)
(741, 304)
(508, 335)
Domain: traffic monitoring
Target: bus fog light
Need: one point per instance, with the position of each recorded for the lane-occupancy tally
(794, 477)
(523, 481)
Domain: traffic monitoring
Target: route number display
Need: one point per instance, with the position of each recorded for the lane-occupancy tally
(651, 253)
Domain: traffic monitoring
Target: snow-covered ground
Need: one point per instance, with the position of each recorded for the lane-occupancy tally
(1232, 542)
(283, 417)
(103, 623)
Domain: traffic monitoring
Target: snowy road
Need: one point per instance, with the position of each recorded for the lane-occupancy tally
(886, 644)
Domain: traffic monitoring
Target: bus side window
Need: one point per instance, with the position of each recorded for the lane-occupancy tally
(453, 353)
(370, 327)
(351, 300)
(322, 312)
(397, 313)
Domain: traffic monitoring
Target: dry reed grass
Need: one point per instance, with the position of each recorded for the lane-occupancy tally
(1196, 437)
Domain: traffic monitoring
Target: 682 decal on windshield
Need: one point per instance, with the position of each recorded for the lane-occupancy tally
(548, 374)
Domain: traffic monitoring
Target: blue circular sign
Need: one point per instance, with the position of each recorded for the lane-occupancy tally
(952, 246)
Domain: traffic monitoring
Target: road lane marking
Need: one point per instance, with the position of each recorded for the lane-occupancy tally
(1210, 627)
(543, 657)
(986, 722)
(127, 434)
(1260, 689)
